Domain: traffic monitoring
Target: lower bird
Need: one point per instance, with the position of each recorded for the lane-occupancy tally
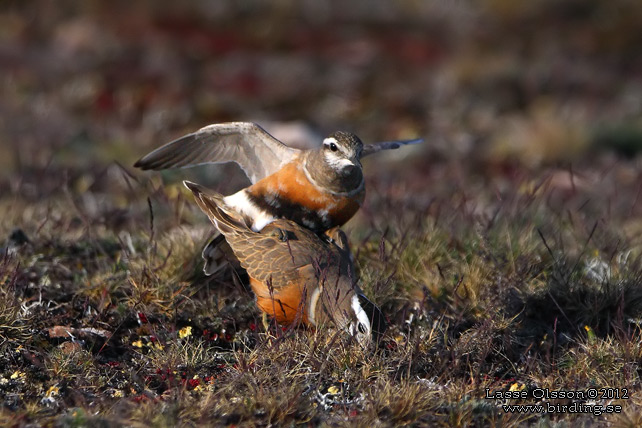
(297, 276)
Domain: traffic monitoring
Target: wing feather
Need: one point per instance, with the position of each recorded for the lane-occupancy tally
(257, 152)
(277, 251)
(369, 149)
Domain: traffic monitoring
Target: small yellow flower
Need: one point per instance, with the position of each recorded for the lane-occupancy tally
(18, 375)
(52, 392)
(590, 333)
(333, 390)
(517, 387)
(400, 339)
(138, 343)
(185, 331)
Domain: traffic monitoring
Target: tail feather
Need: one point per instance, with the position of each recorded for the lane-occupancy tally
(227, 221)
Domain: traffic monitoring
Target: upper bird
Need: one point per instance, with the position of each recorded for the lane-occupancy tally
(317, 188)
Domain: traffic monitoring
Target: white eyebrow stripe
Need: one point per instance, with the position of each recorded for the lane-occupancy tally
(342, 149)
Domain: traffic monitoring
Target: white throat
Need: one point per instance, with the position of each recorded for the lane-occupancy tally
(337, 162)
(316, 184)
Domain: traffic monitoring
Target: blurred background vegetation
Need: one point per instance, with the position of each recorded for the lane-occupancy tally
(494, 81)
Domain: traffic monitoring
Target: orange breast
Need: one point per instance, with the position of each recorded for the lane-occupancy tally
(286, 304)
(289, 194)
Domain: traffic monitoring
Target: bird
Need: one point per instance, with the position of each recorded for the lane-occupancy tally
(296, 276)
(317, 188)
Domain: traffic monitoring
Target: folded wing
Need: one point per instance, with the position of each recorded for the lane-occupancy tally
(275, 254)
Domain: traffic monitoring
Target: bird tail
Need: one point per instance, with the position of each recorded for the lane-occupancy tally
(226, 220)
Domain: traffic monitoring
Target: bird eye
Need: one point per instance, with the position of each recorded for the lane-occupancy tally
(362, 328)
(333, 147)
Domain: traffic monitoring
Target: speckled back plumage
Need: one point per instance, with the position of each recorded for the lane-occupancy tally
(296, 275)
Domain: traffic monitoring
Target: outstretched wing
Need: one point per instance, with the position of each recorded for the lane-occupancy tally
(258, 153)
(369, 149)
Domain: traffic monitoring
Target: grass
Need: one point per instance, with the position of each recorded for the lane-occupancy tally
(497, 291)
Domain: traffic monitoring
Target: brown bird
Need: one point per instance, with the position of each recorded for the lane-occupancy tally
(317, 188)
(297, 277)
